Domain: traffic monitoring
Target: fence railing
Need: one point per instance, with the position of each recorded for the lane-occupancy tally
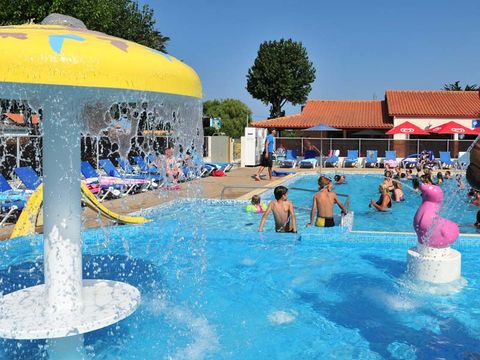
(402, 147)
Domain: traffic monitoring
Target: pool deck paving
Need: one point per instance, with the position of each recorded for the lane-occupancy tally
(237, 184)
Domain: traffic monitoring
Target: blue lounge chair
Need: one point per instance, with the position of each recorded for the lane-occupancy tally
(390, 159)
(6, 191)
(28, 177)
(351, 159)
(110, 185)
(225, 166)
(372, 158)
(111, 170)
(12, 201)
(410, 161)
(446, 161)
(427, 159)
(290, 159)
(332, 160)
(126, 166)
(207, 169)
(309, 160)
(129, 170)
(279, 155)
(144, 167)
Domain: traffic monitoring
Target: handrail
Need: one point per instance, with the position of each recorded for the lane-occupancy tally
(347, 201)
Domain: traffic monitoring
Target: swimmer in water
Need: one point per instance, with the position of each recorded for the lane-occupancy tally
(385, 200)
(283, 212)
(323, 202)
(339, 179)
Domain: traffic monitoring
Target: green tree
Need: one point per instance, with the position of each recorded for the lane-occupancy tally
(281, 72)
(457, 87)
(120, 18)
(235, 115)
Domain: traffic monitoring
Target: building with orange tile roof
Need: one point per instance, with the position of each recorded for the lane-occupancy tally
(15, 124)
(425, 109)
(433, 104)
(350, 115)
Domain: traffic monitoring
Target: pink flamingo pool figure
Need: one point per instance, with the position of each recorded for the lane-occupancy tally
(433, 230)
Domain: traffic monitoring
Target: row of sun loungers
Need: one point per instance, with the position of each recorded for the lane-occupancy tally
(425, 159)
(113, 182)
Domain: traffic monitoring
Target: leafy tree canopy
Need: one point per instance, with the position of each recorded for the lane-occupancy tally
(235, 115)
(457, 87)
(120, 18)
(281, 72)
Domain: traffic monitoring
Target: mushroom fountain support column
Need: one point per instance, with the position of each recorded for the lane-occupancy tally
(62, 214)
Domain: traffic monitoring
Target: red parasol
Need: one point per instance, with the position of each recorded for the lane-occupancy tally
(452, 127)
(407, 128)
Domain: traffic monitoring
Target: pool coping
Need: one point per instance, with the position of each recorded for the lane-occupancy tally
(275, 183)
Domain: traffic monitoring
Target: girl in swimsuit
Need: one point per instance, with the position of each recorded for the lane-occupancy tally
(398, 191)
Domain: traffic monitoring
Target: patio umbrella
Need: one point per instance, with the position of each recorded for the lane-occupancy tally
(407, 128)
(452, 127)
(322, 127)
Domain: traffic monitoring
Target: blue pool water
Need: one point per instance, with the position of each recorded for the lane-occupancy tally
(214, 288)
(362, 188)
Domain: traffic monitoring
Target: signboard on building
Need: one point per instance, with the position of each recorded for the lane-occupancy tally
(476, 123)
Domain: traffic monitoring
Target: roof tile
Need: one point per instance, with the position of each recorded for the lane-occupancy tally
(441, 104)
(355, 114)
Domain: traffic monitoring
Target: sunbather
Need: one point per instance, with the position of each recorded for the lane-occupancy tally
(173, 172)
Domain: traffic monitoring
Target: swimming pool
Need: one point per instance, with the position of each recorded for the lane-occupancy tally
(213, 287)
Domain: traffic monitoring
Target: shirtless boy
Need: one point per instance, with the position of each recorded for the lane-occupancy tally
(323, 202)
(282, 212)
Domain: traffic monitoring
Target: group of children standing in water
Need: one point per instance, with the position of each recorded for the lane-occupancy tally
(321, 213)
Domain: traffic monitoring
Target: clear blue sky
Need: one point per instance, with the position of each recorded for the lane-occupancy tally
(359, 48)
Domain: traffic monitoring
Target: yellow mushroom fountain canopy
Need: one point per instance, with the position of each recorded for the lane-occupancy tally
(102, 70)
(59, 55)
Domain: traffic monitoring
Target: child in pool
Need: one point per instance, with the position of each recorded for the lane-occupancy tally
(340, 179)
(256, 205)
(398, 191)
(283, 212)
(439, 178)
